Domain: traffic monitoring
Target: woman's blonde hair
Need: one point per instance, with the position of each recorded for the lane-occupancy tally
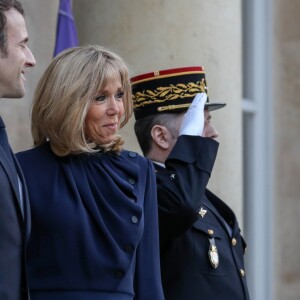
(64, 93)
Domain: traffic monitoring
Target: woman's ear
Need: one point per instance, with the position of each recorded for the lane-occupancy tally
(161, 136)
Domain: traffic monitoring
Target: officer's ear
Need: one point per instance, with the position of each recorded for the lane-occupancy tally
(161, 136)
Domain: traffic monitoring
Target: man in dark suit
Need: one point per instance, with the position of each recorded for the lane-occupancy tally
(15, 57)
(200, 243)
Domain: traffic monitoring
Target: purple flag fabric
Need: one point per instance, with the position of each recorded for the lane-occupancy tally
(66, 33)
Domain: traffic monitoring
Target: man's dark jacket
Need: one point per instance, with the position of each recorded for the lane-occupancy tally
(192, 221)
(14, 224)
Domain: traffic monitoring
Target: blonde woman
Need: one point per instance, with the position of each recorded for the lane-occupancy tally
(94, 212)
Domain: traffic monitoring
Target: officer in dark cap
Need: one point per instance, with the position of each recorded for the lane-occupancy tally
(202, 251)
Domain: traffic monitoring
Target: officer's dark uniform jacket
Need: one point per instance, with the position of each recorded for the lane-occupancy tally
(201, 246)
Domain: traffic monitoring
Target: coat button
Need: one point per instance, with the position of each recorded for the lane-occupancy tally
(233, 242)
(210, 231)
(242, 272)
(132, 154)
(134, 219)
(119, 274)
(131, 181)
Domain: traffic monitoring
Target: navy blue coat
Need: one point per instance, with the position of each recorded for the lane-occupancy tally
(191, 221)
(14, 225)
(94, 226)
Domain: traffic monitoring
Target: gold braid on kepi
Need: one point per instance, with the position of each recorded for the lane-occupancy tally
(171, 90)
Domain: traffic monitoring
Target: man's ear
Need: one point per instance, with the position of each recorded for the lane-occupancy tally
(160, 135)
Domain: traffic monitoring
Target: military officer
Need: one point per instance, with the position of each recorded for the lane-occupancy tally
(201, 248)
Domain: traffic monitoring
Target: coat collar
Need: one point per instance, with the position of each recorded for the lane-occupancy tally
(13, 171)
(6, 161)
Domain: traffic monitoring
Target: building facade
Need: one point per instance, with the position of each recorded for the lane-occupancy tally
(251, 53)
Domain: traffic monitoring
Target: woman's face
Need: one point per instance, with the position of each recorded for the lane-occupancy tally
(103, 117)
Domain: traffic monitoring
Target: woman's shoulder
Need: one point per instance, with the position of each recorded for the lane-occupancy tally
(35, 150)
(36, 154)
(134, 157)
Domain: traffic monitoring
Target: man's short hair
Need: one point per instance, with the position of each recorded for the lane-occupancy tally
(5, 5)
(143, 127)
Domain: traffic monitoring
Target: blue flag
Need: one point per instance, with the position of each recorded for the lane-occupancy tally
(66, 33)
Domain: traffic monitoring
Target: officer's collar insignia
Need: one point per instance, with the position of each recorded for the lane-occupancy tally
(202, 212)
(213, 254)
(172, 176)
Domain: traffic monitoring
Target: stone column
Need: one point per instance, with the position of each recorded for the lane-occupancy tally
(287, 145)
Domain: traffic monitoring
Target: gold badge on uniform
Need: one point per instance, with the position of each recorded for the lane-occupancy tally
(213, 254)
